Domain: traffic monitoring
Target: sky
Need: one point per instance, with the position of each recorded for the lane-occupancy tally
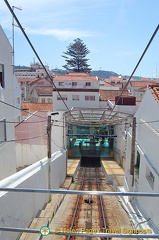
(115, 31)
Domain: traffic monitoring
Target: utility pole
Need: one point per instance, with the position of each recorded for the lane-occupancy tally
(49, 128)
(13, 25)
(49, 154)
(132, 163)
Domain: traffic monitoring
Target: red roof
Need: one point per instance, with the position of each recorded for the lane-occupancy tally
(34, 126)
(25, 80)
(33, 107)
(108, 84)
(75, 76)
(44, 90)
(111, 94)
(41, 81)
(154, 88)
(140, 84)
(116, 78)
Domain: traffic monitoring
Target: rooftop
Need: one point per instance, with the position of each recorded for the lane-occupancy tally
(111, 94)
(33, 107)
(44, 90)
(75, 76)
(41, 81)
(140, 84)
(154, 88)
(25, 80)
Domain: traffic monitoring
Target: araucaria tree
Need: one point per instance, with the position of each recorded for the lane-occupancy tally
(75, 57)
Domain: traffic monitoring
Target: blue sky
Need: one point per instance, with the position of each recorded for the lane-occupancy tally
(115, 31)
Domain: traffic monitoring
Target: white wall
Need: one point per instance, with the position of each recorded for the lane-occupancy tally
(18, 209)
(120, 144)
(27, 154)
(147, 144)
(59, 105)
(7, 150)
(17, 94)
(58, 133)
(80, 84)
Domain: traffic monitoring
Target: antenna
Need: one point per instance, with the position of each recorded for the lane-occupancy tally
(13, 25)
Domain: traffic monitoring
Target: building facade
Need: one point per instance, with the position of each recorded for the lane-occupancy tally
(77, 90)
(7, 148)
(145, 177)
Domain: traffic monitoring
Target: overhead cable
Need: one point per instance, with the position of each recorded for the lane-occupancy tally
(23, 139)
(149, 43)
(10, 105)
(31, 45)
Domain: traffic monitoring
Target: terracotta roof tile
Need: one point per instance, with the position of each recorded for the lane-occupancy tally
(44, 90)
(111, 94)
(33, 107)
(108, 84)
(116, 78)
(75, 77)
(140, 84)
(25, 80)
(154, 88)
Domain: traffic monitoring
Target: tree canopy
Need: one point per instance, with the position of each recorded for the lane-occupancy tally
(75, 57)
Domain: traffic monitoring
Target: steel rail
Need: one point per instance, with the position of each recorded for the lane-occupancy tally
(101, 202)
(82, 234)
(27, 190)
(77, 203)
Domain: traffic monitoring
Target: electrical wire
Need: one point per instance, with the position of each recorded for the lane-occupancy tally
(149, 43)
(23, 121)
(23, 139)
(55, 143)
(35, 52)
(10, 105)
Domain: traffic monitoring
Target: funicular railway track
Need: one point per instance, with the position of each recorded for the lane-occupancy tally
(89, 210)
(89, 213)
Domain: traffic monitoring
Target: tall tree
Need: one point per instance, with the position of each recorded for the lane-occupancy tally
(75, 57)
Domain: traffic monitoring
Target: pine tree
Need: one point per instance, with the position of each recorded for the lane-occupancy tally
(75, 57)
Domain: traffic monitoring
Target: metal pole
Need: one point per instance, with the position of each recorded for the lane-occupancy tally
(49, 155)
(13, 55)
(54, 191)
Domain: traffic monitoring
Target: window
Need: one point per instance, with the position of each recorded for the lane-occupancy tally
(150, 177)
(49, 100)
(89, 98)
(2, 84)
(61, 83)
(18, 100)
(137, 165)
(75, 97)
(64, 97)
(3, 130)
(88, 83)
(43, 100)
(74, 84)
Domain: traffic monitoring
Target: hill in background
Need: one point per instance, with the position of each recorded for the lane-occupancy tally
(99, 73)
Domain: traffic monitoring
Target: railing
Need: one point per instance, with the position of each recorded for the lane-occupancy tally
(82, 232)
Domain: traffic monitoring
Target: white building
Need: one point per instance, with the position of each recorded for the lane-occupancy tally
(7, 149)
(77, 90)
(146, 177)
(35, 71)
(17, 102)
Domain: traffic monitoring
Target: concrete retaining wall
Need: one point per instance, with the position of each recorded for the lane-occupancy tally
(27, 154)
(18, 209)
